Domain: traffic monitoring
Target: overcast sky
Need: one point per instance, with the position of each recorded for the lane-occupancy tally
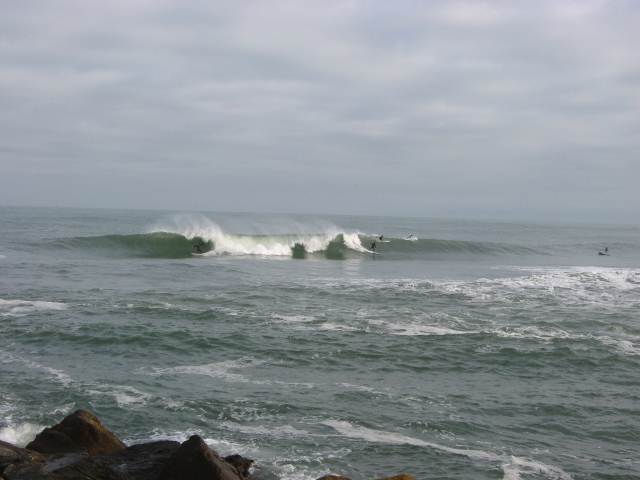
(514, 110)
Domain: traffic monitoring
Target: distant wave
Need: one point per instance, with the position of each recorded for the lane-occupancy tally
(183, 237)
(329, 244)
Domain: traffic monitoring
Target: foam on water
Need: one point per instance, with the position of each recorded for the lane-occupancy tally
(336, 327)
(278, 318)
(572, 285)
(53, 373)
(417, 329)
(20, 434)
(513, 467)
(124, 395)
(24, 307)
(221, 370)
(533, 332)
(280, 431)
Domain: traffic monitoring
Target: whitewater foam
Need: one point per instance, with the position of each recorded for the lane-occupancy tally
(513, 467)
(571, 285)
(21, 434)
(24, 307)
(53, 373)
(270, 244)
(124, 395)
(280, 431)
(214, 370)
(278, 318)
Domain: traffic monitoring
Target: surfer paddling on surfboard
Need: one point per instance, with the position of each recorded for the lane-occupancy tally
(604, 252)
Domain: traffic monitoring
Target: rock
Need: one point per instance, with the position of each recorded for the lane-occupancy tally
(13, 458)
(241, 463)
(138, 462)
(143, 461)
(11, 454)
(80, 431)
(87, 469)
(194, 460)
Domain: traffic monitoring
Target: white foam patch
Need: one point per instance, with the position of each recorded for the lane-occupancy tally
(359, 388)
(513, 467)
(24, 307)
(416, 329)
(572, 285)
(53, 373)
(292, 318)
(20, 435)
(222, 370)
(626, 347)
(280, 431)
(336, 327)
(532, 332)
(124, 395)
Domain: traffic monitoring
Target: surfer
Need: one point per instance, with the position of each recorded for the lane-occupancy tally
(373, 246)
(381, 238)
(196, 249)
(605, 252)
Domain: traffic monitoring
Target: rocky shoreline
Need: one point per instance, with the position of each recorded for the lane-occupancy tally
(80, 447)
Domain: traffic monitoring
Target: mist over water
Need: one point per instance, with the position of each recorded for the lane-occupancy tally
(469, 350)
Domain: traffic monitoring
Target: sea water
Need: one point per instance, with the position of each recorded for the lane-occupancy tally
(475, 350)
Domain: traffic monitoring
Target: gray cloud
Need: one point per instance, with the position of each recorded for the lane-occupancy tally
(493, 109)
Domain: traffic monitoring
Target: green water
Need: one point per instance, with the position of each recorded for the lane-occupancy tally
(480, 350)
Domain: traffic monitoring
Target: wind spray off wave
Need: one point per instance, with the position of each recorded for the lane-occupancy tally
(265, 244)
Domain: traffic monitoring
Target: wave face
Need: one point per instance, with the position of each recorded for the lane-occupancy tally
(155, 244)
(415, 245)
(332, 244)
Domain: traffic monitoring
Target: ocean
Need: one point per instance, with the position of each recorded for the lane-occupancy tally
(458, 350)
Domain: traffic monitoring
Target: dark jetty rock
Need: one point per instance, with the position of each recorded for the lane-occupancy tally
(11, 455)
(80, 447)
(241, 463)
(80, 431)
(196, 461)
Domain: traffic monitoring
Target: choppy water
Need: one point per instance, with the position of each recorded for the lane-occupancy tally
(481, 350)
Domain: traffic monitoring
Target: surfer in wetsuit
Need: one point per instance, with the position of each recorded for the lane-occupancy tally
(381, 237)
(373, 246)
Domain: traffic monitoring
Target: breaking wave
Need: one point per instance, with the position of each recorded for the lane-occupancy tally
(182, 239)
(154, 244)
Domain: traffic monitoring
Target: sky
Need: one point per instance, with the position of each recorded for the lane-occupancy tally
(464, 109)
